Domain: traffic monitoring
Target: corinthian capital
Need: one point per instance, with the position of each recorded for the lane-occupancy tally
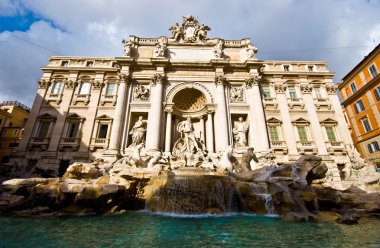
(158, 78)
(220, 80)
(251, 81)
(279, 88)
(43, 84)
(123, 77)
(70, 84)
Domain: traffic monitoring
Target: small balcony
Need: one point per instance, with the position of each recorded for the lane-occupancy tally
(68, 142)
(279, 146)
(307, 147)
(322, 103)
(335, 147)
(99, 143)
(295, 103)
(37, 142)
(270, 102)
(108, 99)
(57, 98)
(85, 98)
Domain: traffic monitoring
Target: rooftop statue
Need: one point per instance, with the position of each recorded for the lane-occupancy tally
(189, 31)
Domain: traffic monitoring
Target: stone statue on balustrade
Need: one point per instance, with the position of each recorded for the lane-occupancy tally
(138, 132)
(127, 46)
(218, 50)
(240, 131)
(161, 48)
(251, 51)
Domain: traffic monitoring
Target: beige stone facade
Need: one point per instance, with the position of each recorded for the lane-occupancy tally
(87, 108)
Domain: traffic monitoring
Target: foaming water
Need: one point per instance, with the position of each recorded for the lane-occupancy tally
(146, 229)
(224, 215)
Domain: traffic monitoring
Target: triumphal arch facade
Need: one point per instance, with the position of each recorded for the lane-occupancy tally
(184, 93)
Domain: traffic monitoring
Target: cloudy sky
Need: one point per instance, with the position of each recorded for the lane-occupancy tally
(340, 32)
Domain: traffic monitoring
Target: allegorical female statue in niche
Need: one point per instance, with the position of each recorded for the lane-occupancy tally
(240, 133)
(138, 132)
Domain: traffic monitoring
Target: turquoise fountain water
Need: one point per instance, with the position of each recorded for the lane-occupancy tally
(144, 229)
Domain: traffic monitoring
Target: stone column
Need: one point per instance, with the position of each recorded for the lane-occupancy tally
(202, 123)
(168, 133)
(114, 145)
(153, 133)
(343, 127)
(221, 130)
(63, 111)
(287, 124)
(314, 122)
(258, 128)
(210, 133)
(43, 85)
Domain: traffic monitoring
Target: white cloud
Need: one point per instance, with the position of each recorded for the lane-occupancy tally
(96, 28)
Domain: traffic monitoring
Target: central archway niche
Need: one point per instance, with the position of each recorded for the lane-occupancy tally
(189, 100)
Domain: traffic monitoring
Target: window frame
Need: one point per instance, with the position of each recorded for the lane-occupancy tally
(81, 88)
(57, 90)
(373, 147)
(376, 91)
(374, 71)
(361, 104)
(353, 87)
(367, 128)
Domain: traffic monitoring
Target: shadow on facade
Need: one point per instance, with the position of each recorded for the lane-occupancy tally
(52, 141)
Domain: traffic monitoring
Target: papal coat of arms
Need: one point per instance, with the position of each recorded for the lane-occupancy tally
(190, 30)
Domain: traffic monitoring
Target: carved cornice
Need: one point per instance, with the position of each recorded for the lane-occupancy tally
(251, 81)
(43, 84)
(306, 89)
(158, 78)
(279, 88)
(220, 80)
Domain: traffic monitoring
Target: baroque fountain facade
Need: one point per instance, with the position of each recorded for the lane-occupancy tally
(186, 119)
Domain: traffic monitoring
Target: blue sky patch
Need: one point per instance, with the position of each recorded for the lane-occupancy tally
(21, 22)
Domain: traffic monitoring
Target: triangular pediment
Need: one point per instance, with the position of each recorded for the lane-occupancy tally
(103, 117)
(329, 121)
(300, 120)
(274, 120)
(46, 116)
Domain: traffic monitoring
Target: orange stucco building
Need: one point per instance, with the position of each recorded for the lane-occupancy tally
(360, 94)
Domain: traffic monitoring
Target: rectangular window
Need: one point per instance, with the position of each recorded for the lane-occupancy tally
(4, 132)
(292, 92)
(273, 133)
(353, 87)
(57, 88)
(43, 129)
(286, 68)
(73, 130)
(310, 68)
(85, 89)
(373, 71)
(64, 63)
(302, 133)
(373, 147)
(317, 91)
(377, 93)
(331, 134)
(111, 89)
(103, 128)
(359, 106)
(15, 132)
(366, 125)
(90, 63)
(266, 91)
